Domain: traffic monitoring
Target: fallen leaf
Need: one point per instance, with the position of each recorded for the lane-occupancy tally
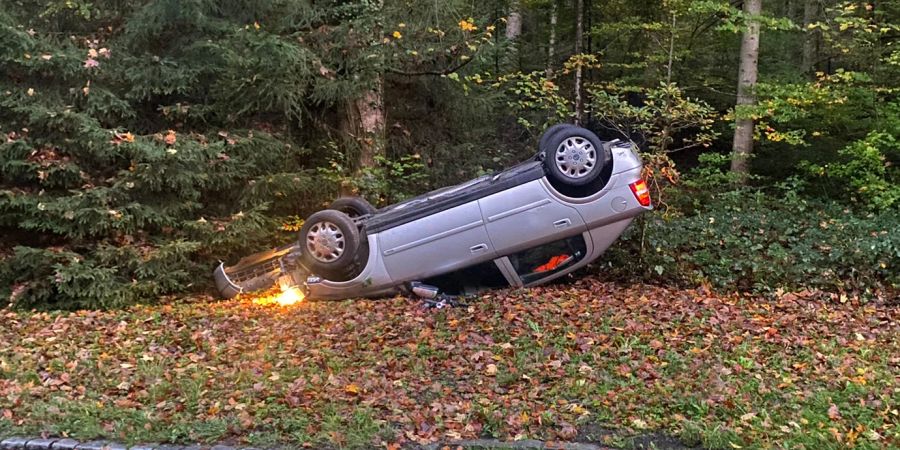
(833, 412)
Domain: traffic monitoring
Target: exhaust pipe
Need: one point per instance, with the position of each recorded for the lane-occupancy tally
(260, 271)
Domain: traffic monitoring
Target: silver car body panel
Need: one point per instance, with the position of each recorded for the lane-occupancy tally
(435, 244)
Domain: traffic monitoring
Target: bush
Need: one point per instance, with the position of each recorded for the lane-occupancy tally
(761, 241)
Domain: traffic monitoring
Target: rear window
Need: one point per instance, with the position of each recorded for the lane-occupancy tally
(540, 262)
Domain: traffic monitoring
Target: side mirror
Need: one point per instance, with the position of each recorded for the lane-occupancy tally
(425, 291)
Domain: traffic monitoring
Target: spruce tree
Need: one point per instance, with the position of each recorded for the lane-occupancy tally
(140, 145)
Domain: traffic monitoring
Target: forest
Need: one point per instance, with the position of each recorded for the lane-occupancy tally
(146, 141)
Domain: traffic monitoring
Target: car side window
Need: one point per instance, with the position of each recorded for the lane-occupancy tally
(470, 280)
(545, 260)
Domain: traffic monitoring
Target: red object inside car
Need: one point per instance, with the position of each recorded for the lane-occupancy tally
(553, 263)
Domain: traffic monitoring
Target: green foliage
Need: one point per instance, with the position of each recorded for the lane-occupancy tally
(834, 105)
(132, 161)
(734, 20)
(388, 181)
(437, 39)
(761, 241)
(664, 119)
(867, 173)
(531, 98)
(711, 174)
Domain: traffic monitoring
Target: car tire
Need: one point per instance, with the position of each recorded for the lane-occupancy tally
(548, 134)
(353, 206)
(575, 156)
(330, 243)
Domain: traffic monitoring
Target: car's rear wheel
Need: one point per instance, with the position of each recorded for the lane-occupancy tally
(353, 206)
(330, 243)
(543, 144)
(575, 156)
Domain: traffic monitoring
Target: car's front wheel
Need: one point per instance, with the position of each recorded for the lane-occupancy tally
(575, 156)
(330, 242)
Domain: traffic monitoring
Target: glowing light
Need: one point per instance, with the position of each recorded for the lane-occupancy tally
(288, 295)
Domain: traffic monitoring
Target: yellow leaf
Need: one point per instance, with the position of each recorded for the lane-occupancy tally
(467, 25)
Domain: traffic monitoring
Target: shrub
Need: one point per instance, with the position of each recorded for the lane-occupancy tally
(761, 241)
(867, 173)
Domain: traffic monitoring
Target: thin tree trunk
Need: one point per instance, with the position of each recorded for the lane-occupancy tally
(671, 62)
(810, 15)
(666, 132)
(551, 49)
(749, 72)
(514, 21)
(513, 31)
(579, 36)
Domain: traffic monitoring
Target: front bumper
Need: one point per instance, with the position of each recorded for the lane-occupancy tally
(261, 271)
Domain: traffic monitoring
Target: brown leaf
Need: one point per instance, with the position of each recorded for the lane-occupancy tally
(567, 431)
(834, 413)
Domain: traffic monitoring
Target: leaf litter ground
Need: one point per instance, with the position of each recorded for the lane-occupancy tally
(723, 371)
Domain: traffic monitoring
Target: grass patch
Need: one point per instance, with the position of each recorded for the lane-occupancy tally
(721, 371)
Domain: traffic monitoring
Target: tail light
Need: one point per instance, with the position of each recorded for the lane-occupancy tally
(641, 192)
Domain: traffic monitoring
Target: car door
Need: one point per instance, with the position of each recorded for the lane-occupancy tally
(436, 244)
(527, 215)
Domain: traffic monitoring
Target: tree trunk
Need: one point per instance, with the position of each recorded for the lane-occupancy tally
(551, 48)
(579, 36)
(514, 21)
(749, 72)
(513, 31)
(364, 122)
(810, 15)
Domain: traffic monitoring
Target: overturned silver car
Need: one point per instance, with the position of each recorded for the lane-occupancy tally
(526, 225)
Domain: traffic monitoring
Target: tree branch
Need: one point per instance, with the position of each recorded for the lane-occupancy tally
(436, 73)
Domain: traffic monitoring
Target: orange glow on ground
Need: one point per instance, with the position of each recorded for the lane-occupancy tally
(287, 296)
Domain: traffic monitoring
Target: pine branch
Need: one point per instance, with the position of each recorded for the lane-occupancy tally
(437, 73)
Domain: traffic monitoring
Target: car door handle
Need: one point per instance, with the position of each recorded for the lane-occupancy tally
(478, 248)
(562, 223)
